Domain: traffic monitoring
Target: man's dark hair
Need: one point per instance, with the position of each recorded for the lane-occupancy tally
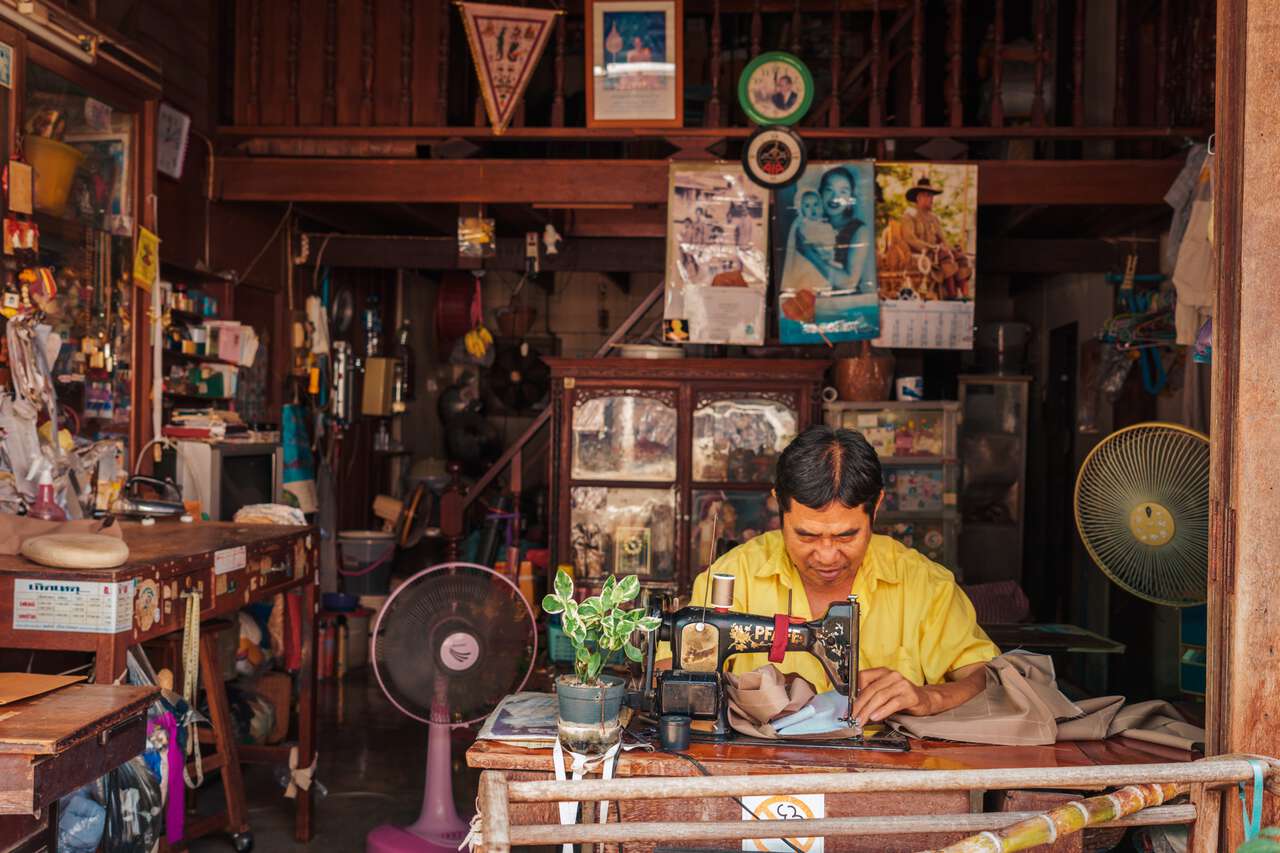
(823, 465)
(784, 77)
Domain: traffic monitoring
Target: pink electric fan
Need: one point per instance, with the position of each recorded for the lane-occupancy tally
(448, 646)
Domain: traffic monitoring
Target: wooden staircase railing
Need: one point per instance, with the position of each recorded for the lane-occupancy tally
(457, 499)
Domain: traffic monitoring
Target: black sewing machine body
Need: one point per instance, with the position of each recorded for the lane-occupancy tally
(703, 638)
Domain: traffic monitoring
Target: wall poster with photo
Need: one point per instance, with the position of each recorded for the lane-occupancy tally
(717, 255)
(635, 69)
(824, 242)
(926, 254)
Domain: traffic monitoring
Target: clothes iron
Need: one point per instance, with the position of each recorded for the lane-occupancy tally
(131, 503)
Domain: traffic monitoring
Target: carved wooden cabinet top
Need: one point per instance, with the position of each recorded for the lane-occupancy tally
(711, 369)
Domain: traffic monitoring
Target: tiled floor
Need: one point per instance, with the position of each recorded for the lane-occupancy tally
(372, 760)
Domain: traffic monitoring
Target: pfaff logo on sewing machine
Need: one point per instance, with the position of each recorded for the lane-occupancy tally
(742, 638)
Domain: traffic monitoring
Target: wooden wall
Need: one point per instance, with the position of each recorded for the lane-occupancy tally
(181, 35)
(326, 62)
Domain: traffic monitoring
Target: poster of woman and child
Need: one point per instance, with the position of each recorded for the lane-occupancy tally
(882, 251)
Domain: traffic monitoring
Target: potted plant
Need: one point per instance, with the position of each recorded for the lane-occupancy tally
(597, 628)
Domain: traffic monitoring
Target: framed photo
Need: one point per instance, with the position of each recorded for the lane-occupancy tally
(635, 75)
(775, 88)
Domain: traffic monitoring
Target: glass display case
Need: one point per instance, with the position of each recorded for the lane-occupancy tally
(917, 445)
(79, 136)
(654, 455)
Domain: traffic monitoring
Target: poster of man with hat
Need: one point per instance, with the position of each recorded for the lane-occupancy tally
(926, 226)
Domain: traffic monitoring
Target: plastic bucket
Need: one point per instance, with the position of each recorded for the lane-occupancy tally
(55, 164)
(366, 561)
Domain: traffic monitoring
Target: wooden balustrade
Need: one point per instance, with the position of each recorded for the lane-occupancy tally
(393, 63)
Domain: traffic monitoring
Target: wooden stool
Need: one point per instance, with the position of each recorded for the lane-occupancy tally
(225, 756)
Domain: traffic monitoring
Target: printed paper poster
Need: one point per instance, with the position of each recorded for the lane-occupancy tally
(717, 260)
(926, 248)
(824, 237)
(784, 807)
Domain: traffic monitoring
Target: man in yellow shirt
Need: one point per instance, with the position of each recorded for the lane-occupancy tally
(921, 651)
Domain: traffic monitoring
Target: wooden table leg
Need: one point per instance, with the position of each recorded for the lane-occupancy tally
(303, 823)
(110, 657)
(224, 735)
(1204, 832)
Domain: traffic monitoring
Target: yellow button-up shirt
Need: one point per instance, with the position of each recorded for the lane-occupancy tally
(914, 618)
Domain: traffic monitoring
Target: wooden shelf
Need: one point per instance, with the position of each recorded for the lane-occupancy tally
(194, 273)
(198, 359)
(188, 316)
(915, 460)
(182, 395)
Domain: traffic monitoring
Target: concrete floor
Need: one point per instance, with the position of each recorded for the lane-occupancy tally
(372, 760)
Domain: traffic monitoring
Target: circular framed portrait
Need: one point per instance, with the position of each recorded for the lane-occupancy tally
(774, 156)
(775, 88)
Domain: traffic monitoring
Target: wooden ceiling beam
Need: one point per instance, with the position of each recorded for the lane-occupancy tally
(573, 182)
(597, 254)
(648, 255)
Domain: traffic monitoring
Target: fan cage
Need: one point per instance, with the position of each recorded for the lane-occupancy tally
(386, 678)
(1157, 462)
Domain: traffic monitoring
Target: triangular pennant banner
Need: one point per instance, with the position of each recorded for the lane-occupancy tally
(506, 44)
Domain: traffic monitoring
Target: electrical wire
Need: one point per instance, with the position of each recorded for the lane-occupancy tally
(267, 245)
(701, 768)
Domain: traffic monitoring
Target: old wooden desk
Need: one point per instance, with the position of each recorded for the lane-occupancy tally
(729, 759)
(229, 565)
(53, 743)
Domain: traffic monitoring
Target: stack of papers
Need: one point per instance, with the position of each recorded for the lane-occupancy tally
(525, 719)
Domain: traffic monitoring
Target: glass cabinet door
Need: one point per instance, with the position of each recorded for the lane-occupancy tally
(624, 531)
(82, 153)
(622, 435)
(737, 438)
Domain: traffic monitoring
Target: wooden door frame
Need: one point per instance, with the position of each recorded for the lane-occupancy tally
(1243, 702)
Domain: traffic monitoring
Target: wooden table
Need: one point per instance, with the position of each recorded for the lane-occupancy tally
(53, 743)
(105, 611)
(1050, 637)
(731, 759)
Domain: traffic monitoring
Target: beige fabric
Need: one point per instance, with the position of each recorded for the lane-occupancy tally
(758, 697)
(76, 551)
(1021, 705)
(16, 529)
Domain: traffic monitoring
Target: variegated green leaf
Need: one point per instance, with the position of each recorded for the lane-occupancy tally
(564, 584)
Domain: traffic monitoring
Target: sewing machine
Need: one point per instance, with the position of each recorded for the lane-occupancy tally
(704, 637)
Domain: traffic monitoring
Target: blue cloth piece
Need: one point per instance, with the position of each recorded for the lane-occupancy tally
(821, 714)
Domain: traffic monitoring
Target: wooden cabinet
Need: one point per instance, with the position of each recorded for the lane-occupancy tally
(647, 453)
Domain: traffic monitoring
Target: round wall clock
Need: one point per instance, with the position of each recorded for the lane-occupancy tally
(774, 157)
(775, 88)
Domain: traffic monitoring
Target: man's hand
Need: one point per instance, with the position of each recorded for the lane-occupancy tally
(883, 692)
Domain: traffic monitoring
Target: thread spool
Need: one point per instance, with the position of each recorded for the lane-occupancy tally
(722, 590)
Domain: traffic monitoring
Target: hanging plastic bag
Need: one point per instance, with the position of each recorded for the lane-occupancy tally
(80, 822)
(135, 809)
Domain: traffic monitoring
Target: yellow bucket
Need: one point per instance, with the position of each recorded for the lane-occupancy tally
(55, 164)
